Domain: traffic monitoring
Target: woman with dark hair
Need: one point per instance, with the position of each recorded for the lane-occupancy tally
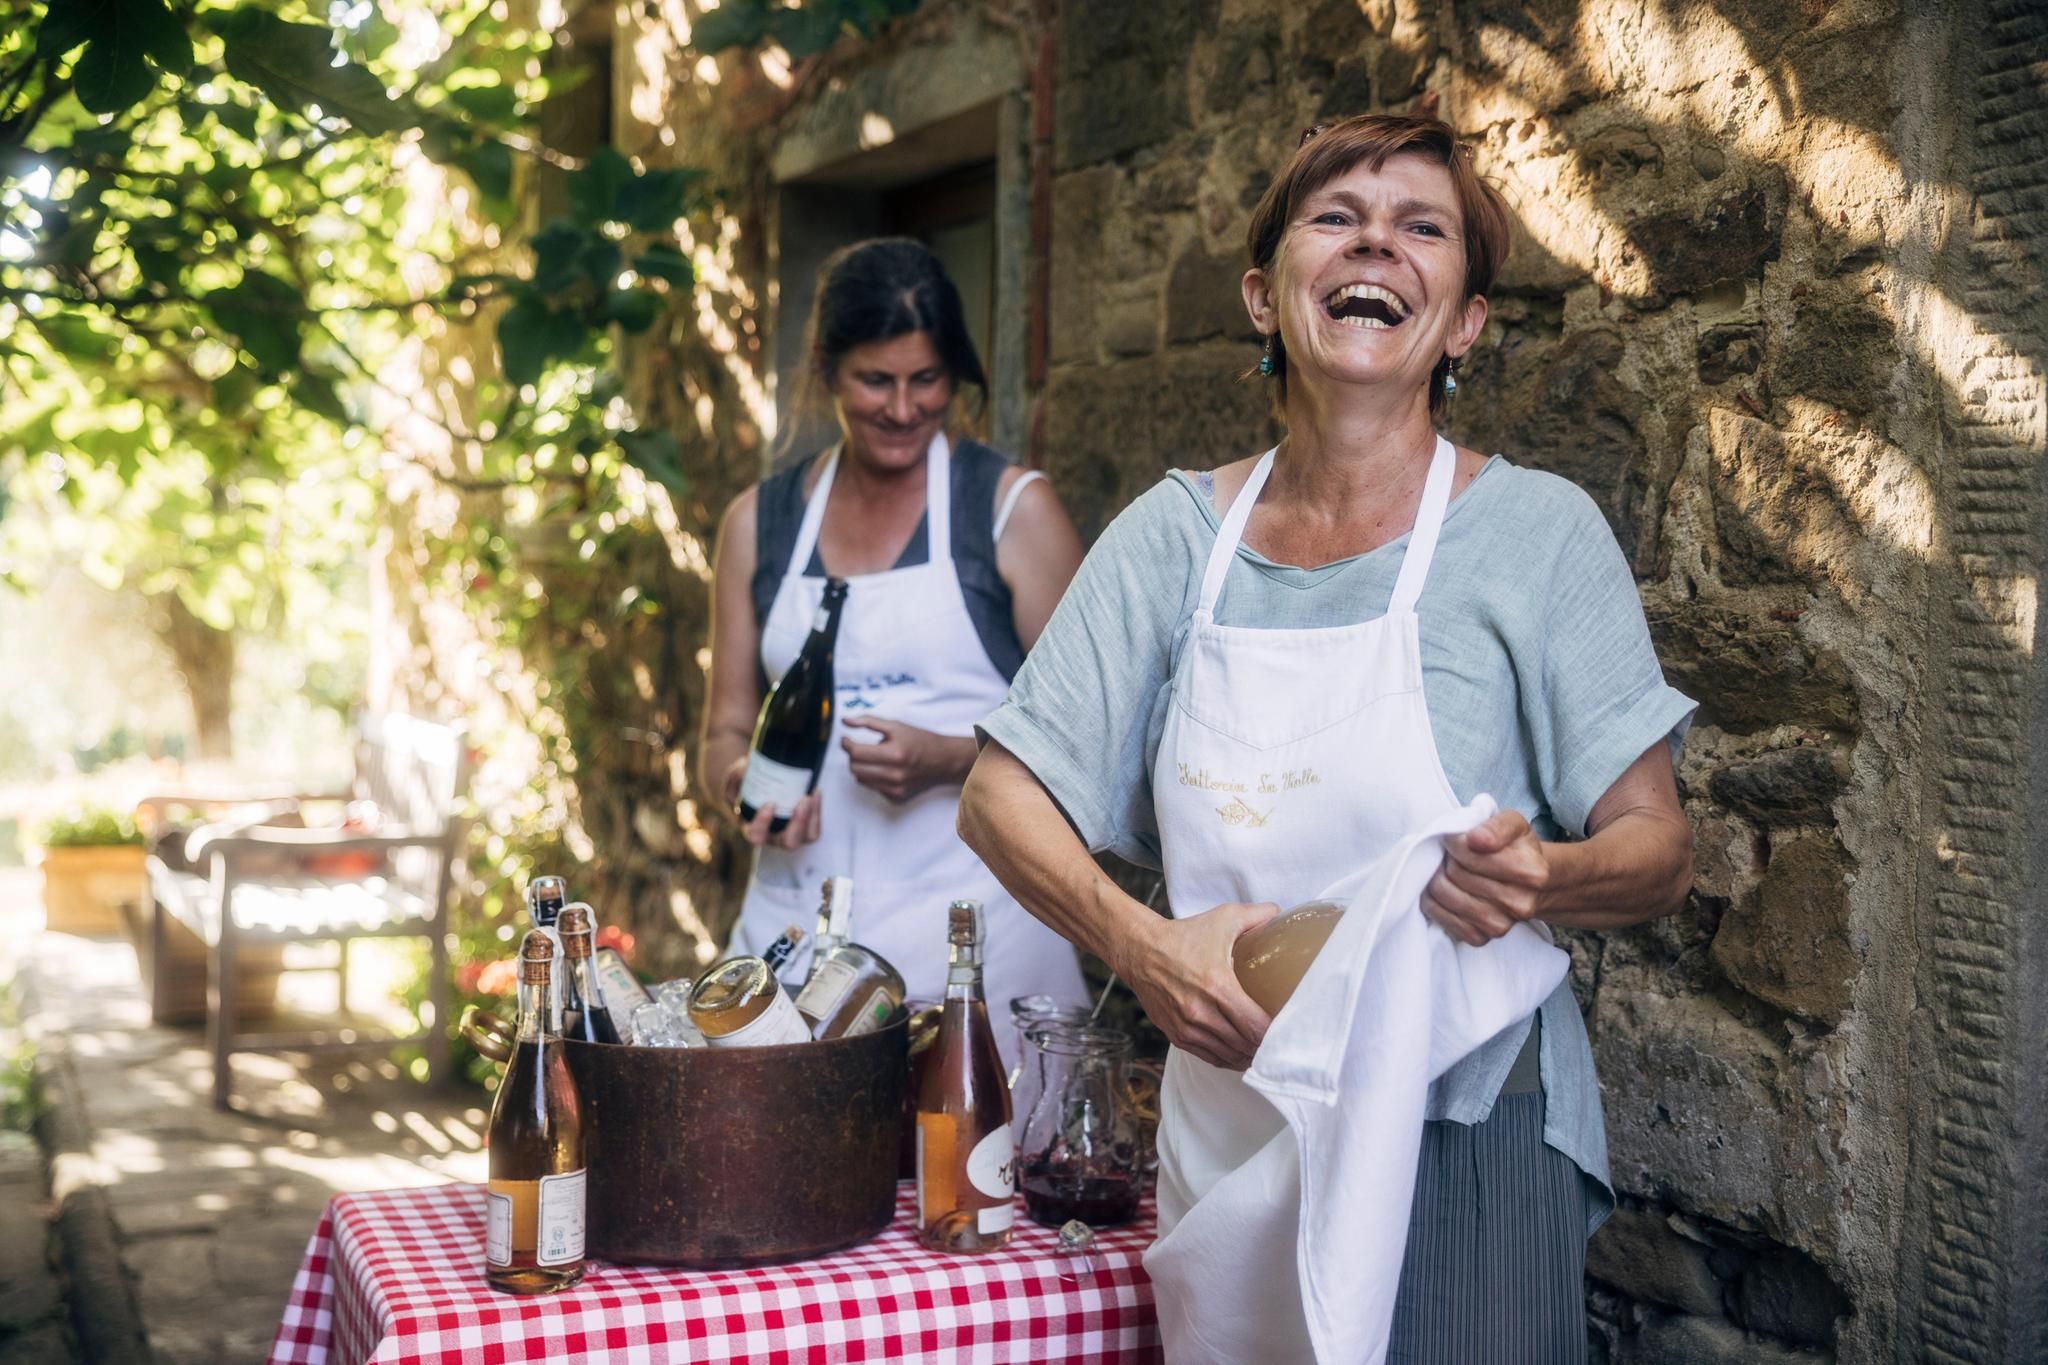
(1371, 665)
(955, 559)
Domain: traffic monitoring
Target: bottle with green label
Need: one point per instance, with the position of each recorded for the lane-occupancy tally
(533, 1211)
(966, 1155)
(851, 989)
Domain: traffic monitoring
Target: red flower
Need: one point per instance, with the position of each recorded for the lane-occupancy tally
(466, 977)
(617, 939)
(498, 978)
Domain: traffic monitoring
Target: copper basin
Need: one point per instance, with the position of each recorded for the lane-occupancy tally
(723, 1157)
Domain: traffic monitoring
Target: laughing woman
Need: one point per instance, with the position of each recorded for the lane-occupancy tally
(1366, 628)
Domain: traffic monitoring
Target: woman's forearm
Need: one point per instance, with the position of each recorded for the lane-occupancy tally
(1636, 867)
(719, 750)
(1015, 827)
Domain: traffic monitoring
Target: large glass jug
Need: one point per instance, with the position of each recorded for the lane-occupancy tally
(1080, 1155)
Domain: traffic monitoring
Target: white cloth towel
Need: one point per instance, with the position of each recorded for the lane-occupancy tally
(1389, 1004)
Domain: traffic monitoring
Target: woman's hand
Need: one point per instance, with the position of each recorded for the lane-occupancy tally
(1186, 980)
(803, 821)
(1493, 878)
(906, 760)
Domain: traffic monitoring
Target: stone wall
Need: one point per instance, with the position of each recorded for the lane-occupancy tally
(1775, 302)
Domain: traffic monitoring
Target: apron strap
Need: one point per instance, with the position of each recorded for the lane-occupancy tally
(1231, 532)
(938, 500)
(814, 517)
(938, 507)
(1429, 519)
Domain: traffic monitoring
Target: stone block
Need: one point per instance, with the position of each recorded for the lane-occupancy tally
(1725, 352)
(1682, 1339)
(1783, 786)
(1748, 671)
(1081, 208)
(1124, 76)
(1350, 92)
(1636, 1251)
(1130, 327)
(1789, 944)
(1684, 251)
(1787, 1295)
(1698, 1100)
(1247, 56)
(1112, 430)
(1204, 297)
(1841, 351)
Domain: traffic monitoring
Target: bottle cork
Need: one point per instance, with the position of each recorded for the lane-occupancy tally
(574, 926)
(963, 923)
(536, 957)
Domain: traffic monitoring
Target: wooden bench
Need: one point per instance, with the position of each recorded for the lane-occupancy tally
(269, 885)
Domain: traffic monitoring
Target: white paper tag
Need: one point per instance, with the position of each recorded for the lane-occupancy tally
(991, 1166)
(560, 1240)
(498, 1229)
(995, 1218)
(828, 986)
(770, 783)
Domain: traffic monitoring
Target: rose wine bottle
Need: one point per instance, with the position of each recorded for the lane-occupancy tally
(966, 1154)
(533, 1214)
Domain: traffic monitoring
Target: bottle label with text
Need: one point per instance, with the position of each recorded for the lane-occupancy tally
(559, 1237)
(779, 1023)
(770, 783)
(878, 1008)
(822, 994)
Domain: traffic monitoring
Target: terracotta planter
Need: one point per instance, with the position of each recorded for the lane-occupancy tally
(84, 888)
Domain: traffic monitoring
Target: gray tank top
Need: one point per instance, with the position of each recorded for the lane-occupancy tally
(779, 514)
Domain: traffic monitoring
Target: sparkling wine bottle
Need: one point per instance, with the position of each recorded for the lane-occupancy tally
(533, 1223)
(585, 1013)
(851, 989)
(966, 1154)
(794, 730)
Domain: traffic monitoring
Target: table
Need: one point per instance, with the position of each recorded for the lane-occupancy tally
(399, 1277)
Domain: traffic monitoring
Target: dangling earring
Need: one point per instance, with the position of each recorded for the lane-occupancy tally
(1451, 379)
(1266, 360)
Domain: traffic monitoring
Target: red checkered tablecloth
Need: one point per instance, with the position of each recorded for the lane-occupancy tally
(399, 1277)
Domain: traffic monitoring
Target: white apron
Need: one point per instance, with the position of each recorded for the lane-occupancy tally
(908, 651)
(1296, 764)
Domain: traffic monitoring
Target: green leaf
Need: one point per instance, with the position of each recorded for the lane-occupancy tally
(266, 315)
(664, 263)
(316, 393)
(594, 190)
(73, 335)
(158, 266)
(111, 78)
(599, 261)
(531, 334)
(732, 24)
(633, 309)
(651, 202)
(657, 455)
(557, 248)
(235, 390)
(294, 64)
(486, 103)
(489, 165)
(236, 118)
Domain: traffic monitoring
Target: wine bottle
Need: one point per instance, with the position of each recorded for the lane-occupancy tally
(793, 732)
(545, 897)
(533, 1223)
(739, 1002)
(1271, 959)
(851, 989)
(966, 1154)
(585, 1015)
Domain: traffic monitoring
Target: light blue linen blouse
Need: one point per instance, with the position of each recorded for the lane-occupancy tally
(1538, 673)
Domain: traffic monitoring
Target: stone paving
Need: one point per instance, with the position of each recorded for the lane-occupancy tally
(211, 1211)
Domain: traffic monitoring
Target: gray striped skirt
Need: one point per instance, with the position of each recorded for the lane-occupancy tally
(1496, 1262)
